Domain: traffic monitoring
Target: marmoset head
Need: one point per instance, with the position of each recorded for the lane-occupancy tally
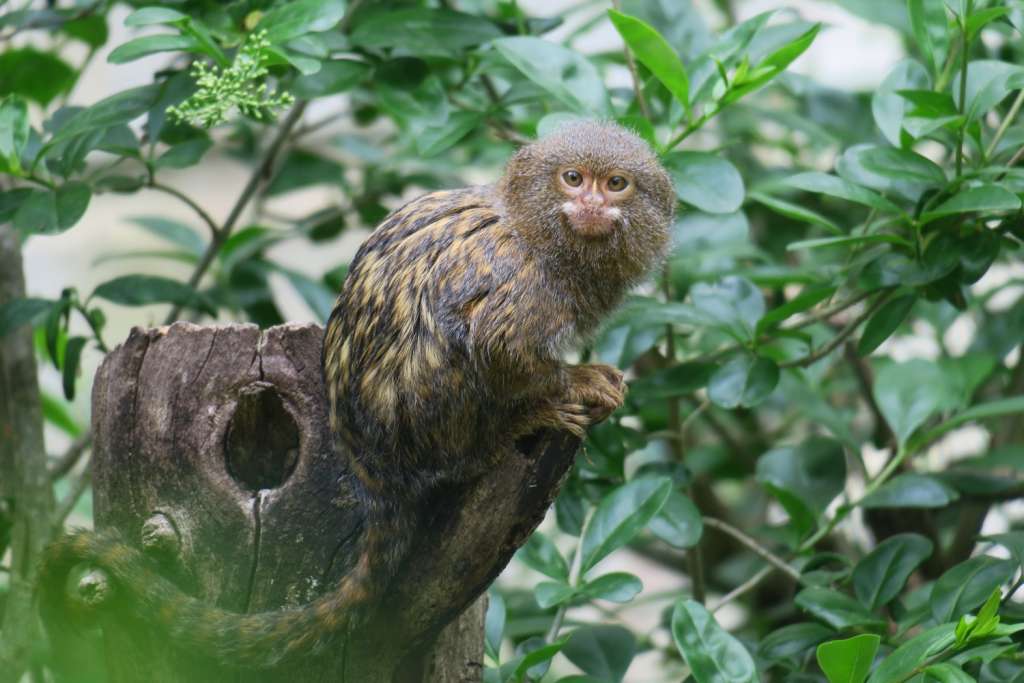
(592, 181)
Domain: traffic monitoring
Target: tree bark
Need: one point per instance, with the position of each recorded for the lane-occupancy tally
(212, 452)
(26, 498)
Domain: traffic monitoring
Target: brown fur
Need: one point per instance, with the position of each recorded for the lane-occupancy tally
(445, 341)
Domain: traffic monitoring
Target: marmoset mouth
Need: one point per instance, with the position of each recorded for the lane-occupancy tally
(592, 222)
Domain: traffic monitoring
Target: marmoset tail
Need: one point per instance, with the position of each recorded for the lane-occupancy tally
(444, 347)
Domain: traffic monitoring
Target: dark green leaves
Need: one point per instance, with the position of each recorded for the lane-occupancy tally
(712, 654)
(38, 76)
(651, 50)
(334, 76)
(880, 576)
(601, 651)
(909, 393)
(744, 382)
(294, 19)
(140, 290)
(911, 491)
(18, 312)
(707, 181)
(836, 609)
(13, 133)
(884, 322)
(621, 515)
(848, 661)
(565, 74)
(49, 212)
(804, 478)
(424, 32)
(967, 585)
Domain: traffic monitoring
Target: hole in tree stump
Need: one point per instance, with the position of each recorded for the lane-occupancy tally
(262, 444)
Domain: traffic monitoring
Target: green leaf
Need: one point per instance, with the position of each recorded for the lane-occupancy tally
(69, 369)
(317, 296)
(834, 186)
(49, 212)
(983, 198)
(55, 412)
(14, 131)
(551, 593)
(911, 491)
(564, 73)
(334, 76)
(884, 322)
(887, 106)
(881, 575)
(911, 392)
(849, 660)
(601, 651)
(836, 609)
(707, 181)
(141, 290)
(793, 640)
(678, 380)
(147, 16)
(997, 408)
(744, 381)
(968, 585)
(928, 21)
(679, 523)
(903, 661)
(654, 52)
(424, 32)
(733, 304)
(436, 139)
(713, 655)
(147, 45)
(851, 240)
(539, 656)
(980, 18)
(540, 554)
(989, 81)
(947, 673)
(795, 211)
(494, 624)
(116, 109)
(621, 515)
(172, 231)
(770, 67)
(38, 76)
(614, 587)
(805, 478)
(290, 20)
(184, 154)
(91, 30)
(18, 312)
(902, 164)
(805, 300)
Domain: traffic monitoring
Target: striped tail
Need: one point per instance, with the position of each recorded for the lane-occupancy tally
(238, 640)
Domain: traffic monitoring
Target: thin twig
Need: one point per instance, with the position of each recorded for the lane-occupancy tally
(744, 588)
(200, 211)
(963, 89)
(1005, 124)
(752, 544)
(631, 63)
(71, 456)
(261, 173)
(68, 504)
(840, 337)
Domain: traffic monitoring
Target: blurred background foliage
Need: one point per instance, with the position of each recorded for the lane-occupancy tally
(821, 458)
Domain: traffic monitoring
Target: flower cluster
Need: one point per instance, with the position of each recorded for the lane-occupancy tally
(239, 86)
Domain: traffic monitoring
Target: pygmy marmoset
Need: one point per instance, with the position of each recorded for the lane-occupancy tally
(446, 340)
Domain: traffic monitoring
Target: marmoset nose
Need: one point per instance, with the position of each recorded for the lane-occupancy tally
(592, 199)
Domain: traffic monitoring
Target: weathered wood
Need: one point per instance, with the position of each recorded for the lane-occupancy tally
(213, 453)
(26, 498)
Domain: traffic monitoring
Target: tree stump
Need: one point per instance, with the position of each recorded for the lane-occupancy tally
(213, 453)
